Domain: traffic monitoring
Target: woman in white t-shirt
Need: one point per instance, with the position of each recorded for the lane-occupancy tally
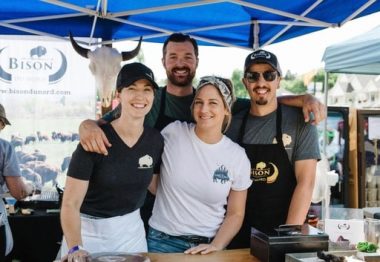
(202, 186)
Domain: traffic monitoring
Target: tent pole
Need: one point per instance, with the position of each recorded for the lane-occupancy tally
(325, 202)
(256, 37)
(325, 122)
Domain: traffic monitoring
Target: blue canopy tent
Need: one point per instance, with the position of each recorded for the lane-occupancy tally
(245, 24)
(358, 55)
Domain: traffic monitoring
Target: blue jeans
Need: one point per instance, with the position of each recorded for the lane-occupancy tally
(160, 242)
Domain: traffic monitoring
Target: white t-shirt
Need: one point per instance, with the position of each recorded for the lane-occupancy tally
(195, 181)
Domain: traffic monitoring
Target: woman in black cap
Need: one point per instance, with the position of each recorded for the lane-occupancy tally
(103, 193)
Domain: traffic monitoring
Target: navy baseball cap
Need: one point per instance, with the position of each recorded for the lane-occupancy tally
(262, 57)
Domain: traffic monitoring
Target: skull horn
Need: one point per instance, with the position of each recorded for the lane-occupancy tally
(80, 50)
(131, 54)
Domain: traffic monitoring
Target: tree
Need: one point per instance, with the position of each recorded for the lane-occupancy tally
(320, 77)
(289, 76)
(295, 86)
(239, 87)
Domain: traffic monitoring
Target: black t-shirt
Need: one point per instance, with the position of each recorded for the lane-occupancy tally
(117, 182)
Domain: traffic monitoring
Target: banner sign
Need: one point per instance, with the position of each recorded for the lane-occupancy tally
(46, 89)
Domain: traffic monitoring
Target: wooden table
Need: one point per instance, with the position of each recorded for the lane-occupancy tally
(235, 255)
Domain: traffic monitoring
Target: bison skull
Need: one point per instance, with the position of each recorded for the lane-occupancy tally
(105, 65)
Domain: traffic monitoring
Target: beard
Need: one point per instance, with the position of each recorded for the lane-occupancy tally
(261, 102)
(180, 81)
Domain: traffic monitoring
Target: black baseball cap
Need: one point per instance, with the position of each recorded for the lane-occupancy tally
(132, 72)
(262, 57)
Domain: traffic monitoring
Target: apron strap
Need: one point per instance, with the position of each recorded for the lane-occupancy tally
(161, 113)
(242, 128)
(278, 126)
(162, 103)
(8, 233)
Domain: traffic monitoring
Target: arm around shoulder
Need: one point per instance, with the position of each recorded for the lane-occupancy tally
(310, 105)
(92, 136)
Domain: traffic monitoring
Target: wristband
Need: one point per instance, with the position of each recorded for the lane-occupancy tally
(74, 249)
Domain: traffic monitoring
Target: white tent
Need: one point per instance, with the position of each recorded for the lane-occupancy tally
(358, 55)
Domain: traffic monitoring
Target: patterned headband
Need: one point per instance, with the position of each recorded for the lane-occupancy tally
(223, 88)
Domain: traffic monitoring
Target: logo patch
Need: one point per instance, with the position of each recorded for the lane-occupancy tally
(262, 173)
(286, 140)
(221, 175)
(261, 54)
(145, 162)
(49, 63)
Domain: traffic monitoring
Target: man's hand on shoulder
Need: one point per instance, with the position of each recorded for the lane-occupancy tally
(92, 137)
(312, 105)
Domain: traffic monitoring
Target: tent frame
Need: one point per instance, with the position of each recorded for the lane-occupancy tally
(298, 20)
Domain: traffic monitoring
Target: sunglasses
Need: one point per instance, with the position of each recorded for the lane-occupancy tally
(253, 77)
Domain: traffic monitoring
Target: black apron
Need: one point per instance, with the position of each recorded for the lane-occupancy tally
(161, 122)
(273, 184)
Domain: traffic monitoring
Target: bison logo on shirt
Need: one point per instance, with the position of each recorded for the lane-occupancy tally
(145, 162)
(221, 174)
(286, 140)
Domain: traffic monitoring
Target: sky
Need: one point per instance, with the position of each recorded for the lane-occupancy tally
(299, 55)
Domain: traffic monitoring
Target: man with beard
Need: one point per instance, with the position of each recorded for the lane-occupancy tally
(282, 148)
(172, 102)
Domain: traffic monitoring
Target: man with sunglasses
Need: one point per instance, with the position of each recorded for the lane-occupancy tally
(172, 102)
(282, 147)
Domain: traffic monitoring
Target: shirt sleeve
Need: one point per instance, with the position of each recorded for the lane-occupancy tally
(11, 165)
(160, 144)
(82, 164)
(307, 146)
(242, 179)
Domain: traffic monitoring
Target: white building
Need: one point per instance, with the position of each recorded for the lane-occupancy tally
(353, 90)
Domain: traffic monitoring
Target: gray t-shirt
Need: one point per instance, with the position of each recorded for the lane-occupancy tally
(8, 162)
(300, 139)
